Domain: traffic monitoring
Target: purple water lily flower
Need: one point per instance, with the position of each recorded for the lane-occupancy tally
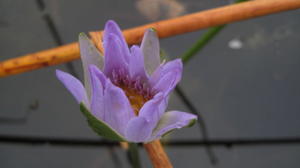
(125, 93)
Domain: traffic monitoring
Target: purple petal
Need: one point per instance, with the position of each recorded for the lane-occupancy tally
(136, 64)
(150, 49)
(89, 55)
(154, 108)
(140, 128)
(112, 27)
(114, 57)
(99, 74)
(166, 76)
(117, 108)
(74, 86)
(97, 97)
(172, 120)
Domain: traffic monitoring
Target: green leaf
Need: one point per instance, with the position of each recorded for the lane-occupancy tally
(100, 127)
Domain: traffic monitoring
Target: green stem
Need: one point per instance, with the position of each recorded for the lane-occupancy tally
(203, 41)
(209, 35)
(134, 155)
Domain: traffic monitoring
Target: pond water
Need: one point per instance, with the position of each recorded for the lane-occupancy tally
(245, 84)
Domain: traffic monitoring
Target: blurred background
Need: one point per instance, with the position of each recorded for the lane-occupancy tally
(245, 85)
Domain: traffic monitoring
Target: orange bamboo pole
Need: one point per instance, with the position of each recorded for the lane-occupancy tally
(165, 28)
(157, 155)
(40, 59)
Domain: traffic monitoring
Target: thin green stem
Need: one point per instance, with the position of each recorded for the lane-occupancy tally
(134, 155)
(203, 41)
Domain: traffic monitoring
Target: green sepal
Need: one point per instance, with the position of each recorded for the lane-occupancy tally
(191, 123)
(99, 126)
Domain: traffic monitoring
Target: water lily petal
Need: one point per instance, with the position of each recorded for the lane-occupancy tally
(166, 76)
(114, 57)
(136, 64)
(154, 108)
(97, 95)
(112, 27)
(100, 75)
(140, 128)
(172, 120)
(89, 54)
(74, 86)
(150, 49)
(117, 108)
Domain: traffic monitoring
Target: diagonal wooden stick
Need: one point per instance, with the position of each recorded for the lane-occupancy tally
(166, 28)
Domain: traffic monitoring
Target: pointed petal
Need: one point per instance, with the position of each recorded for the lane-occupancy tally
(150, 49)
(166, 77)
(117, 108)
(100, 75)
(112, 27)
(74, 86)
(140, 128)
(173, 120)
(97, 97)
(114, 57)
(89, 54)
(154, 108)
(136, 64)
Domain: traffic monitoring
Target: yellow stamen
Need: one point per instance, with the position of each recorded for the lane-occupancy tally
(136, 99)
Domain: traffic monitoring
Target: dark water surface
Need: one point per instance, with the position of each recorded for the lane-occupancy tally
(245, 83)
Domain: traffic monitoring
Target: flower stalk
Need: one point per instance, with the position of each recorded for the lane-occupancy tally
(157, 155)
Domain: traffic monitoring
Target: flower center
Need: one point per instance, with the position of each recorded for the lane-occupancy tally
(137, 92)
(136, 99)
